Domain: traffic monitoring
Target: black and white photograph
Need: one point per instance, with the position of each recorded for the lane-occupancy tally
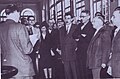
(60, 39)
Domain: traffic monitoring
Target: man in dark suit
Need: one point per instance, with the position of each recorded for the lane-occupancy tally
(68, 46)
(115, 59)
(16, 45)
(99, 48)
(83, 34)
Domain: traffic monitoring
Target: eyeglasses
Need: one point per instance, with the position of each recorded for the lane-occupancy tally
(31, 20)
(82, 16)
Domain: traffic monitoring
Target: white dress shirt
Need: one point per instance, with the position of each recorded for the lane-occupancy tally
(116, 31)
(68, 28)
(84, 25)
(44, 35)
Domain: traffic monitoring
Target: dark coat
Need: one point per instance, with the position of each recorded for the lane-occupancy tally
(16, 46)
(44, 51)
(67, 44)
(55, 39)
(83, 42)
(115, 60)
(99, 48)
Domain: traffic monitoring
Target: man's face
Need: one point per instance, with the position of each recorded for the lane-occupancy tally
(60, 24)
(68, 19)
(116, 18)
(51, 23)
(97, 22)
(31, 21)
(84, 17)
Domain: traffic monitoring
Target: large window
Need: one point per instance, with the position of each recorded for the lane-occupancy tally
(59, 10)
(27, 12)
(52, 9)
(95, 6)
(55, 7)
(43, 13)
(67, 6)
(3, 15)
(102, 6)
(80, 5)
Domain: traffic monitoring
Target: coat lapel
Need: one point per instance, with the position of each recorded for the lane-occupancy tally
(97, 35)
(116, 37)
(70, 29)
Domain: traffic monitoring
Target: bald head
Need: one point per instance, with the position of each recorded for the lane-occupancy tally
(116, 17)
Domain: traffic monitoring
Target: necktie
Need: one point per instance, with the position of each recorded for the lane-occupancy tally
(67, 31)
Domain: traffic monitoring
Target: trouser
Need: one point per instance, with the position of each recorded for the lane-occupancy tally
(96, 73)
(70, 70)
(22, 77)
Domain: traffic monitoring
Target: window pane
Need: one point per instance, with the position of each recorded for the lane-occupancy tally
(59, 17)
(83, 3)
(99, 6)
(78, 5)
(78, 0)
(58, 6)
(59, 13)
(67, 3)
(43, 15)
(83, 8)
(67, 10)
(78, 12)
(95, 8)
(51, 2)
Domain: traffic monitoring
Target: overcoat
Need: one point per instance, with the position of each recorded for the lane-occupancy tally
(15, 47)
(99, 48)
(67, 44)
(115, 60)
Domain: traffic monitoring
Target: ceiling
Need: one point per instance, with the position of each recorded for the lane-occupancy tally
(18, 1)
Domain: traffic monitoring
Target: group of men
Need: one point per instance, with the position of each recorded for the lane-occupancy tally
(74, 41)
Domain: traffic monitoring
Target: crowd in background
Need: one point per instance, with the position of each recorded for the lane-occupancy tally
(66, 49)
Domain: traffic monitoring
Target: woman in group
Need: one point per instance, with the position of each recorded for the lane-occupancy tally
(99, 47)
(45, 51)
(35, 39)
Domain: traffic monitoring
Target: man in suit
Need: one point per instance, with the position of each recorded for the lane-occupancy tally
(68, 46)
(16, 45)
(83, 34)
(115, 59)
(99, 48)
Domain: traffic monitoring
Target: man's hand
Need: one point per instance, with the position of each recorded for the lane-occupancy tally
(52, 53)
(59, 51)
(76, 39)
(84, 35)
(103, 65)
(76, 49)
(109, 70)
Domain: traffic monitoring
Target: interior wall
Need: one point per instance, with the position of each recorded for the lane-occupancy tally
(36, 8)
(87, 4)
(113, 5)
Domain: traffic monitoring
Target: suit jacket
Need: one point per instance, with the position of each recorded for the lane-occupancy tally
(99, 48)
(16, 46)
(68, 44)
(115, 60)
(55, 41)
(44, 49)
(83, 42)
